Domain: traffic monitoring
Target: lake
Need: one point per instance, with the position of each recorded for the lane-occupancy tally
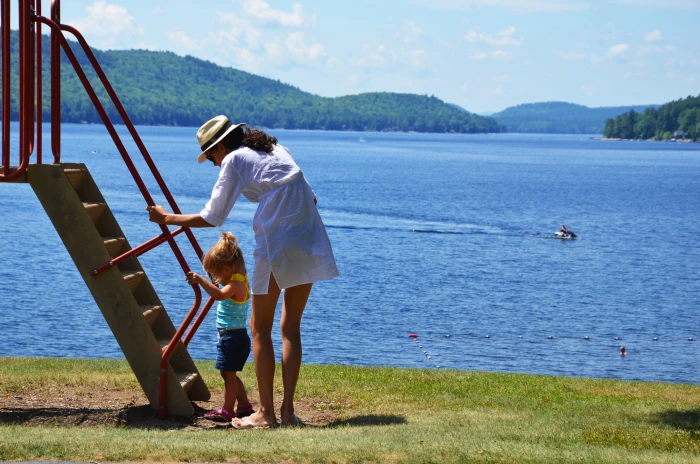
(446, 236)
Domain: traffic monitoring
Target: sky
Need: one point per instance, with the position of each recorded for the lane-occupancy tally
(484, 55)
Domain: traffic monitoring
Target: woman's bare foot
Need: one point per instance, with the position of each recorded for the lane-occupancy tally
(290, 420)
(255, 421)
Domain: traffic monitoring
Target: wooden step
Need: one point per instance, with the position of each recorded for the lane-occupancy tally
(75, 176)
(94, 210)
(133, 278)
(187, 379)
(114, 245)
(163, 342)
(151, 312)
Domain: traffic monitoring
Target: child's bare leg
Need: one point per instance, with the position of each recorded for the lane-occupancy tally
(242, 396)
(230, 389)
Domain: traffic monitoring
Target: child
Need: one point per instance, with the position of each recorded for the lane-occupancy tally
(225, 265)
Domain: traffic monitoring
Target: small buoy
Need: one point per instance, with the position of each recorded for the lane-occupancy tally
(656, 339)
(437, 367)
(520, 336)
(429, 357)
(550, 338)
(412, 335)
(488, 336)
(448, 335)
(690, 339)
(586, 337)
(618, 338)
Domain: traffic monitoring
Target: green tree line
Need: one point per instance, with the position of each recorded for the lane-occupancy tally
(161, 88)
(559, 117)
(672, 118)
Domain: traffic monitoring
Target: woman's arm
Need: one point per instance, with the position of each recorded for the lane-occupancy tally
(158, 215)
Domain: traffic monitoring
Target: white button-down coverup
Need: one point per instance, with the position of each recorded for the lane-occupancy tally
(290, 239)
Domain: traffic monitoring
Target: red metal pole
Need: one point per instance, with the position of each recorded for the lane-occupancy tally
(39, 90)
(198, 321)
(132, 130)
(138, 251)
(6, 50)
(163, 384)
(55, 85)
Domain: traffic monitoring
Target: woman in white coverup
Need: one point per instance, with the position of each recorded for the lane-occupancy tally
(292, 248)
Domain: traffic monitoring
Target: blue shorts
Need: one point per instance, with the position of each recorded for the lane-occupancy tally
(232, 350)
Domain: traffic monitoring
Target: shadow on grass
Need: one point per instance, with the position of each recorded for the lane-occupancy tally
(130, 416)
(688, 421)
(145, 417)
(370, 419)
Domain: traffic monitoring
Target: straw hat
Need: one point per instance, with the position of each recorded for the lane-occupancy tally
(213, 132)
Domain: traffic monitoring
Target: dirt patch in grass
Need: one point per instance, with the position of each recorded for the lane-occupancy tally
(74, 406)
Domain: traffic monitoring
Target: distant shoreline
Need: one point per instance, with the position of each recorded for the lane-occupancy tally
(648, 140)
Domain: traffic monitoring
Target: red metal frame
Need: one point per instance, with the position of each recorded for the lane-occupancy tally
(30, 55)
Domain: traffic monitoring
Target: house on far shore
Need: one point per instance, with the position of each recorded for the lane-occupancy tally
(678, 135)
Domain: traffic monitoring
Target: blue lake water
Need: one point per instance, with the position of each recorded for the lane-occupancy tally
(445, 236)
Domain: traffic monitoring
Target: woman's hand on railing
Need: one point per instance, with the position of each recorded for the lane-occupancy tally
(157, 214)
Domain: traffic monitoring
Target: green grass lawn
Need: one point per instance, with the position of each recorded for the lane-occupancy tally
(381, 415)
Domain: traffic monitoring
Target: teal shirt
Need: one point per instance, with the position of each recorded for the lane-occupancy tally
(232, 314)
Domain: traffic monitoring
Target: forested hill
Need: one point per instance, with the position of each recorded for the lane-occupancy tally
(167, 89)
(675, 120)
(560, 117)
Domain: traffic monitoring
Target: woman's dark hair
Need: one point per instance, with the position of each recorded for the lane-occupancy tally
(251, 138)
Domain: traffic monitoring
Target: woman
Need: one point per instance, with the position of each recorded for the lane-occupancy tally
(292, 248)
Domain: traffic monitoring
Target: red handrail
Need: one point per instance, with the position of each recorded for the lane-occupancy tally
(55, 85)
(6, 90)
(135, 252)
(30, 55)
(39, 89)
(144, 191)
(25, 104)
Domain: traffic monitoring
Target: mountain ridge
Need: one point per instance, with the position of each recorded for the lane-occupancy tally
(162, 88)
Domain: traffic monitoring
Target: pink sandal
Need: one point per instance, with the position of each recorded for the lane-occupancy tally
(220, 415)
(244, 410)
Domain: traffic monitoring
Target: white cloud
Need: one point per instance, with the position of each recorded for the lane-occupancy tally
(666, 49)
(107, 20)
(501, 78)
(262, 11)
(674, 4)
(180, 37)
(588, 90)
(552, 6)
(653, 36)
(157, 11)
(571, 55)
(495, 55)
(410, 32)
(595, 59)
(373, 58)
(503, 38)
(311, 55)
(618, 51)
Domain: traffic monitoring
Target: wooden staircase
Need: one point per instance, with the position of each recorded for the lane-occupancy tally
(123, 293)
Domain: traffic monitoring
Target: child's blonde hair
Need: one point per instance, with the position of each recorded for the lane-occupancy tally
(225, 252)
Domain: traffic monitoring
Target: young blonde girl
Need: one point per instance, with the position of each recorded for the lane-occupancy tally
(225, 265)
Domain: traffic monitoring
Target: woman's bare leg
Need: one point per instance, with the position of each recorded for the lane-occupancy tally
(295, 299)
(261, 319)
(242, 397)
